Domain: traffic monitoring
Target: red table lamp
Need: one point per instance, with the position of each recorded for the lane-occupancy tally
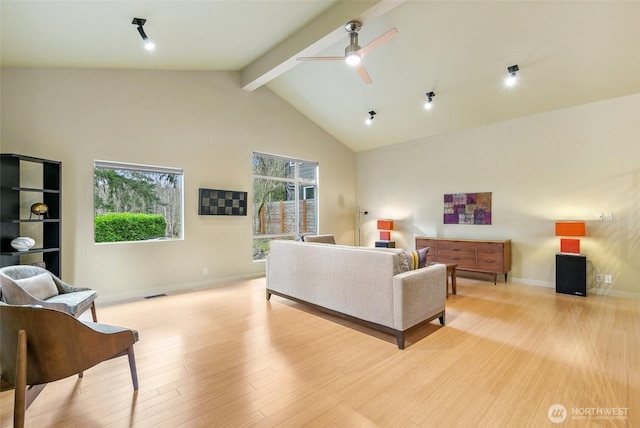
(570, 228)
(385, 227)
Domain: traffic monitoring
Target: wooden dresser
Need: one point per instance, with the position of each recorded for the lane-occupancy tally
(491, 257)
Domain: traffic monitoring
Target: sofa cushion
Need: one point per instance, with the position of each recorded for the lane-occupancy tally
(39, 286)
(417, 259)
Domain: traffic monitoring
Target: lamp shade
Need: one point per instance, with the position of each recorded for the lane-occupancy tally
(570, 228)
(385, 224)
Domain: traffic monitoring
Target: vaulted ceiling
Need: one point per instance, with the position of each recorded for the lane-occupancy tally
(568, 52)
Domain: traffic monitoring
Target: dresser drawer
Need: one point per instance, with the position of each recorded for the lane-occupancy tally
(491, 257)
(459, 252)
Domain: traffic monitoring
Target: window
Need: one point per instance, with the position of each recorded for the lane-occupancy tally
(284, 200)
(137, 202)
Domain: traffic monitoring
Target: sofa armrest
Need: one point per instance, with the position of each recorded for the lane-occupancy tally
(418, 295)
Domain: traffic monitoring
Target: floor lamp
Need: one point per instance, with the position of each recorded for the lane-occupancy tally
(360, 213)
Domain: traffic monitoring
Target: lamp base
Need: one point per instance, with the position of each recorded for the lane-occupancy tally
(571, 246)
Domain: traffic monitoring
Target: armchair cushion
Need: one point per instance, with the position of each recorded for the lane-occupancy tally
(77, 302)
(39, 286)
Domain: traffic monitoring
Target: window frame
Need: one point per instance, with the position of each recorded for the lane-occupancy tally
(144, 168)
(299, 185)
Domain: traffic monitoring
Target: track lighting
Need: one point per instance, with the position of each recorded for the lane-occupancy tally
(148, 44)
(511, 79)
(369, 120)
(429, 103)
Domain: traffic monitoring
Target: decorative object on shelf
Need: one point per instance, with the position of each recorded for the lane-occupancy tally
(23, 243)
(39, 209)
(385, 227)
(570, 228)
(222, 202)
(467, 208)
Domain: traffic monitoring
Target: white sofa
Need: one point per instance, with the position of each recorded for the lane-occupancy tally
(365, 285)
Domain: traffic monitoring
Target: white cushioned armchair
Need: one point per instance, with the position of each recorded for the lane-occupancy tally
(32, 285)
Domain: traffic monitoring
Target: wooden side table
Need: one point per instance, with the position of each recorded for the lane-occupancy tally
(451, 270)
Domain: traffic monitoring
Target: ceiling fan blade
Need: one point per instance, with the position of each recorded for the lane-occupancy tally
(363, 73)
(320, 58)
(377, 42)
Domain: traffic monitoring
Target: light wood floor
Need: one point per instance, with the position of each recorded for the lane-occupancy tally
(226, 357)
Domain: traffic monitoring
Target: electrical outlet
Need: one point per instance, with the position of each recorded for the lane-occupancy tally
(598, 216)
(599, 277)
(205, 271)
(608, 279)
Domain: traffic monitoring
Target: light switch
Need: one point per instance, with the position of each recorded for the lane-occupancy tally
(599, 216)
(608, 216)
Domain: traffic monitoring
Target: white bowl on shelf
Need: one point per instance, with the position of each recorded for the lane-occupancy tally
(23, 243)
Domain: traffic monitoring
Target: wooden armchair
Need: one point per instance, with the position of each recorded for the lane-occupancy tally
(42, 345)
(31, 285)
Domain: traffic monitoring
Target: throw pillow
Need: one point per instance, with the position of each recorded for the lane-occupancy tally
(417, 259)
(40, 286)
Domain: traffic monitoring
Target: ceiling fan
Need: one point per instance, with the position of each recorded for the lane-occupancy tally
(353, 53)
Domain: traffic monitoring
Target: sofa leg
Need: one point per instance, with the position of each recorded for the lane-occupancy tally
(268, 295)
(441, 318)
(400, 339)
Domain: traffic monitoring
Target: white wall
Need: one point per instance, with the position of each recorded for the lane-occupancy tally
(200, 121)
(562, 165)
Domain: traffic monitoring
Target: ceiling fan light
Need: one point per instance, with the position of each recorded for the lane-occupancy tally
(352, 58)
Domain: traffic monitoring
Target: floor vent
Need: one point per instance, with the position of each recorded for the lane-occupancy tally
(154, 296)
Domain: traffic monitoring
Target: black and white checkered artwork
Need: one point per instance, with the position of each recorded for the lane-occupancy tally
(222, 202)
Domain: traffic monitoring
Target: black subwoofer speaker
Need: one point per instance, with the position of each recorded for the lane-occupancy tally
(571, 274)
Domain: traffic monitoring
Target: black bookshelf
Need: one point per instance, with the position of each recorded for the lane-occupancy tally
(14, 196)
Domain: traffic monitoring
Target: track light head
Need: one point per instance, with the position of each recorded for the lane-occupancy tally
(429, 103)
(511, 79)
(369, 120)
(148, 44)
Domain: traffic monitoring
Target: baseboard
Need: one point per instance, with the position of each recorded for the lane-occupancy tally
(118, 298)
(600, 291)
